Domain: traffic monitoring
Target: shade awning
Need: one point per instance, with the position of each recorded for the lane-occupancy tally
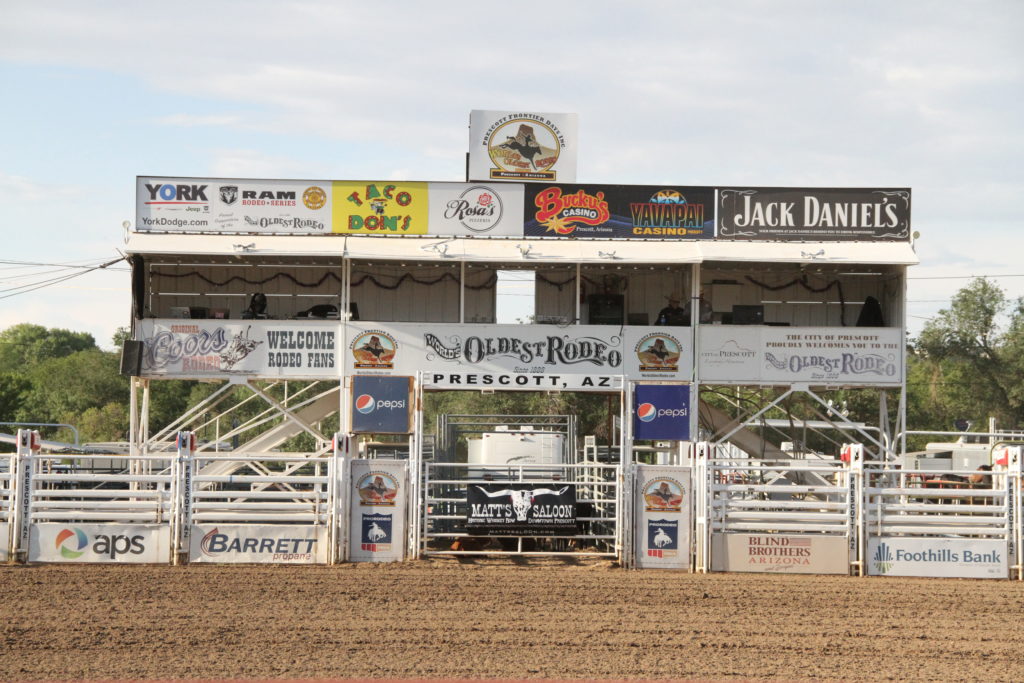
(610, 252)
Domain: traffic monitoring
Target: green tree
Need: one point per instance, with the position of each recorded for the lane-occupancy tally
(64, 388)
(968, 361)
(25, 345)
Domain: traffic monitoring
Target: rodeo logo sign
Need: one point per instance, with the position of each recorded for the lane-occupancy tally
(658, 353)
(374, 350)
(663, 495)
(377, 488)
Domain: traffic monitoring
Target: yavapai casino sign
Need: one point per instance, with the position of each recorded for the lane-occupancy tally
(813, 215)
(618, 211)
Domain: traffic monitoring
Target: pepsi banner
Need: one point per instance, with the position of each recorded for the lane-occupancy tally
(662, 412)
(381, 405)
(519, 509)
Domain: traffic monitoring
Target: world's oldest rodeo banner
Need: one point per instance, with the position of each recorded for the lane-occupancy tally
(557, 209)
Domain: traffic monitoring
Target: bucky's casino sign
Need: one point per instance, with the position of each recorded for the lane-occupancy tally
(619, 212)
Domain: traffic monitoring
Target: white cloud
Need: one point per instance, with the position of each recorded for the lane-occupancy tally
(193, 120)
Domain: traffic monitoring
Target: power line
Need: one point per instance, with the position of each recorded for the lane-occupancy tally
(31, 287)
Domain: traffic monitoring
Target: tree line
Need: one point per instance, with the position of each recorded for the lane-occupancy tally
(966, 364)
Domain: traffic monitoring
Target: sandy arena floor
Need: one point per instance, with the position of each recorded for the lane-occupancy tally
(494, 619)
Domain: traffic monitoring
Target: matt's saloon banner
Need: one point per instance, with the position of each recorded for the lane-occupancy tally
(378, 496)
(516, 509)
(813, 215)
(664, 504)
(522, 146)
(619, 212)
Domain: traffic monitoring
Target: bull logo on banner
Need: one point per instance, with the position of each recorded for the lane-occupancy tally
(522, 500)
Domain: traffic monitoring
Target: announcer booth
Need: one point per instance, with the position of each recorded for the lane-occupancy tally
(698, 310)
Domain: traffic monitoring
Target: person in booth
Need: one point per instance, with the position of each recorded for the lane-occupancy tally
(673, 314)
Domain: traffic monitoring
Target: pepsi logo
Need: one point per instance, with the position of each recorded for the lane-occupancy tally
(365, 404)
(646, 412)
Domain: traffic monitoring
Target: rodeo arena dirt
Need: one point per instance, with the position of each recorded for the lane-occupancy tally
(723, 518)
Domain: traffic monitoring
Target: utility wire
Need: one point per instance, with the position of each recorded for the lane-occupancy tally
(39, 285)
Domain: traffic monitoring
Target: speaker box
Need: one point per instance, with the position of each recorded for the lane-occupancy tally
(131, 358)
(605, 309)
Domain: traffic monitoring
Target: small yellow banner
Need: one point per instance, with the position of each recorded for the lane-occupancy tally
(380, 208)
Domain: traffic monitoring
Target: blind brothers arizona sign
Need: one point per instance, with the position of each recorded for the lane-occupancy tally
(814, 215)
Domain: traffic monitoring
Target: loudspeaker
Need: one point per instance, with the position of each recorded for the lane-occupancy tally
(131, 358)
(605, 309)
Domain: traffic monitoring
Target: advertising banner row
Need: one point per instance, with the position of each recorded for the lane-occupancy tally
(523, 357)
(490, 209)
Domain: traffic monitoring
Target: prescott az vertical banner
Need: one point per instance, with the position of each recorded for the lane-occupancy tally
(663, 510)
(379, 495)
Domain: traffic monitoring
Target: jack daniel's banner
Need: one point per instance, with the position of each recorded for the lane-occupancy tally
(508, 509)
(814, 215)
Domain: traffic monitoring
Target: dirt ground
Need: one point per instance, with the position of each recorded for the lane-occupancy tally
(500, 619)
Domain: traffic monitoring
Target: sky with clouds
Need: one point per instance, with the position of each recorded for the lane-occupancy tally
(920, 94)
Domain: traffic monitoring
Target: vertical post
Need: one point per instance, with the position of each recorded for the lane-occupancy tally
(855, 506)
(702, 493)
(903, 380)
(22, 501)
(462, 292)
(186, 446)
(332, 501)
(623, 516)
(1014, 496)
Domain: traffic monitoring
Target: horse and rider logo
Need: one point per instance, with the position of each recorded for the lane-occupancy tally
(663, 495)
(376, 533)
(524, 148)
(377, 488)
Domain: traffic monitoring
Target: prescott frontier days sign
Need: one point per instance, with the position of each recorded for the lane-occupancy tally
(501, 209)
